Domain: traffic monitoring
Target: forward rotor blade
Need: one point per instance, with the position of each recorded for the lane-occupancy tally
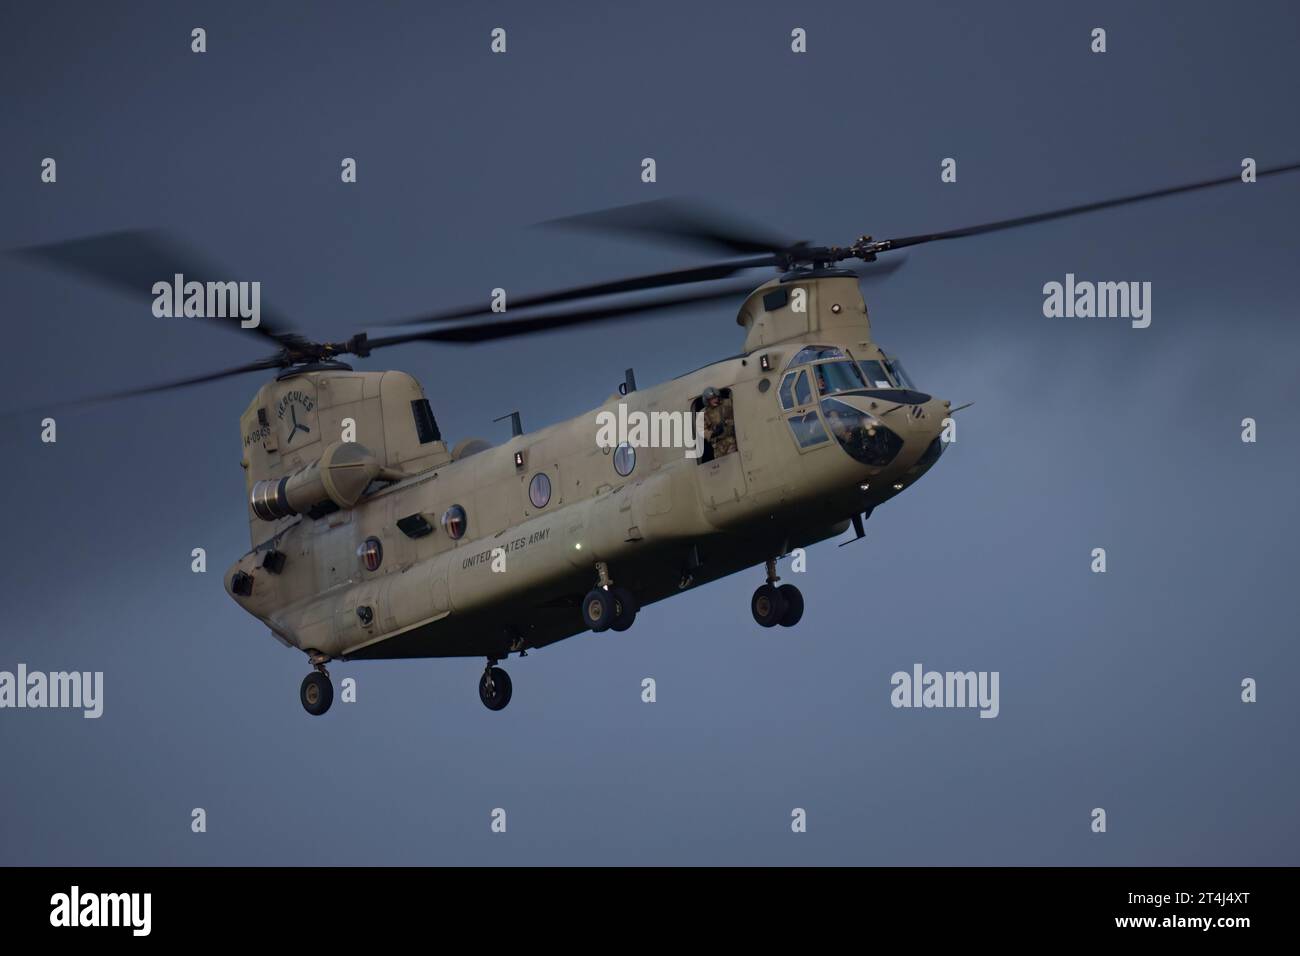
(658, 280)
(905, 241)
(486, 332)
(680, 223)
(132, 261)
(655, 280)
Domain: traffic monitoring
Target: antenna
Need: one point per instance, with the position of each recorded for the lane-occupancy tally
(516, 426)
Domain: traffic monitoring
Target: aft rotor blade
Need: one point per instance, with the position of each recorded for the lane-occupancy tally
(133, 260)
(905, 241)
(489, 331)
(681, 223)
(258, 366)
(654, 280)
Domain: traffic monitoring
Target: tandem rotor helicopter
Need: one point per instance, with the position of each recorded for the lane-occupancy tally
(373, 538)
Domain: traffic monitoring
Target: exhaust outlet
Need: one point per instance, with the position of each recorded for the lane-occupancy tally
(340, 475)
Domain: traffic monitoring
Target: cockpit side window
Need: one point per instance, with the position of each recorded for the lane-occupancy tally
(787, 389)
(807, 428)
(795, 390)
(802, 390)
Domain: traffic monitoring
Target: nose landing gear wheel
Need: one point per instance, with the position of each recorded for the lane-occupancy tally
(793, 604)
(317, 693)
(598, 609)
(625, 608)
(494, 688)
(768, 605)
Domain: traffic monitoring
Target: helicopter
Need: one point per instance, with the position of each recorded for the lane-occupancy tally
(372, 537)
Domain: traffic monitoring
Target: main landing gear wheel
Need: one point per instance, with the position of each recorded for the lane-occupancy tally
(768, 605)
(793, 604)
(598, 609)
(625, 608)
(317, 693)
(494, 688)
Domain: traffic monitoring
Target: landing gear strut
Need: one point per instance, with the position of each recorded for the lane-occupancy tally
(772, 605)
(494, 687)
(317, 693)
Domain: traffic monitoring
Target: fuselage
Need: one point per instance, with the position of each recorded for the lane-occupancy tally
(478, 556)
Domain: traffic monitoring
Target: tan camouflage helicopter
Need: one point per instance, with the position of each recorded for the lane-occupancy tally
(372, 538)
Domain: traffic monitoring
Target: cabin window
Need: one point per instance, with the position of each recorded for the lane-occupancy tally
(371, 553)
(539, 490)
(455, 522)
(624, 459)
(808, 430)
(719, 435)
(425, 425)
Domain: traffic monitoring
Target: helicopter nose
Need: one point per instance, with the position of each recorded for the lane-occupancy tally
(938, 414)
(927, 422)
(937, 411)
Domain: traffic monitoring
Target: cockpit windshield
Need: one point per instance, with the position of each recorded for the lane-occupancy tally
(812, 353)
(833, 377)
(900, 374)
(875, 374)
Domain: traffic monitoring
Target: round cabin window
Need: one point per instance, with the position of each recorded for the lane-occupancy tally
(371, 553)
(624, 459)
(455, 522)
(539, 490)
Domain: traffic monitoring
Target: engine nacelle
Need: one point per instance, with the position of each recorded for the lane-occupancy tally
(340, 475)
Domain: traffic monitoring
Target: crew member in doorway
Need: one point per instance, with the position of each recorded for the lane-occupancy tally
(719, 422)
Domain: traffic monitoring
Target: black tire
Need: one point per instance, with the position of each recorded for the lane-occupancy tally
(625, 608)
(316, 693)
(598, 609)
(767, 606)
(498, 696)
(793, 598)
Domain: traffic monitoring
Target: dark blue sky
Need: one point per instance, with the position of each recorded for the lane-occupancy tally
(1118, 690)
